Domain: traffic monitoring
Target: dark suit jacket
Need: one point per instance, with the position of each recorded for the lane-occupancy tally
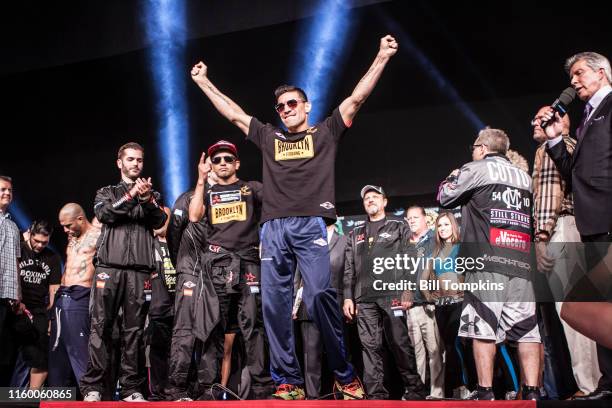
(589, 170)
(337, 246)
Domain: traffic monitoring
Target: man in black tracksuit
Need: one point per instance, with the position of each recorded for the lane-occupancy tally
(231, 263)
(380, 313)
(128, 211)
(186, 242)
(158, 333)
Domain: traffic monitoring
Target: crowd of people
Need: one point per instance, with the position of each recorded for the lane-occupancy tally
(208, 295)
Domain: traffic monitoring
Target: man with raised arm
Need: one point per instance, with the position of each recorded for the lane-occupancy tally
(299, 199)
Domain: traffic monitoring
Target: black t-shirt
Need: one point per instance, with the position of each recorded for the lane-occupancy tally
(37, 272)
(299, 168)
(372, 228)
(169, 270)
(233, 213)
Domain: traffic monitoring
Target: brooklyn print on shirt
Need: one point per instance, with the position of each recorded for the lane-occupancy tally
(227, 206)
(233, 214)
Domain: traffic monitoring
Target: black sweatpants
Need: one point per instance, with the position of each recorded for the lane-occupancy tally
(251, 326)
(455, 374)
(250, 322)
(114, 289)
(183, 336)
(374, 322)
(159, 335)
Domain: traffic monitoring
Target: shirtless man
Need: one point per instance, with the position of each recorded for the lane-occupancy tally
(70, 318)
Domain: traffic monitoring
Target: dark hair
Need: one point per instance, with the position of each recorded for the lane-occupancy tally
(6, 178)
(455, 237)
(289, 88)
(130, 145)
(41, 227)
(417, 207)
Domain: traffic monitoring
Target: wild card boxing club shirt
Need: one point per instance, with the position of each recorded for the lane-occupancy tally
(298, 168)
(37, 271)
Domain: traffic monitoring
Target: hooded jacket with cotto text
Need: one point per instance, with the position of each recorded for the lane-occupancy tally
(126, 240)
(495, 200)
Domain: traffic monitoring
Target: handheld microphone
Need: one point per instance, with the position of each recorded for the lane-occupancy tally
(560, 104)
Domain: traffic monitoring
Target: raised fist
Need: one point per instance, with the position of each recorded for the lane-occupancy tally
(199, 71)
(388, 46)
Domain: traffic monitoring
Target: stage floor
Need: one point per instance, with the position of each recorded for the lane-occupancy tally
(317, 404)
(339, 404)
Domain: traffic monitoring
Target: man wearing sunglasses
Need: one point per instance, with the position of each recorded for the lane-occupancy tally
(231, 261)
(299, 199)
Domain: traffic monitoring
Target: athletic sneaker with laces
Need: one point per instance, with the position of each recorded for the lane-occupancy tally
(352, 390)
(289, 392)
(93, 396)
(135, 397)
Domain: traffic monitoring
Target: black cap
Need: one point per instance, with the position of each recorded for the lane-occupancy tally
(370, 187)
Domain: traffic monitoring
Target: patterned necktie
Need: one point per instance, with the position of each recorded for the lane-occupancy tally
(585, 117)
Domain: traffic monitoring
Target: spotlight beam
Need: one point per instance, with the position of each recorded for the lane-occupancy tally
(408, 45)
(165, 23)
(318, 63)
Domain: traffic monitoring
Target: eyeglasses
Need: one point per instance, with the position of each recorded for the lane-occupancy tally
(473, 147)
(227, 159)
(291, 103)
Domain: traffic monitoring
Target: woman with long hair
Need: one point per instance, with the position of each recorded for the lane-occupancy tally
(442, 271)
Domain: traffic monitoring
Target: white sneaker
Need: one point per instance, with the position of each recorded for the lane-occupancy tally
(510, 395)
(183, 399)
(461, 392)
(135, 397)
(93, 396)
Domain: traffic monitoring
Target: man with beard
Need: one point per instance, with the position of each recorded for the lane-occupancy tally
(379, 315)
(40, 273)
(231, 262)
(129, 212)
(70, 316)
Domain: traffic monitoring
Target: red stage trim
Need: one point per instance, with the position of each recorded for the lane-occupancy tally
(297, 404)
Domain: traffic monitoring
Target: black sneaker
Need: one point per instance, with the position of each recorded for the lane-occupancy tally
(410, 395)
(530, 393)
(483, 394)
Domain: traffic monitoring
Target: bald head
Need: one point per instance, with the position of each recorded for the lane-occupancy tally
(538, 133)
(73, 220)
(72, 210)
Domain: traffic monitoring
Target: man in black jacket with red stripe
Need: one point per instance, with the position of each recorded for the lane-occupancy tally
(128, 211)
